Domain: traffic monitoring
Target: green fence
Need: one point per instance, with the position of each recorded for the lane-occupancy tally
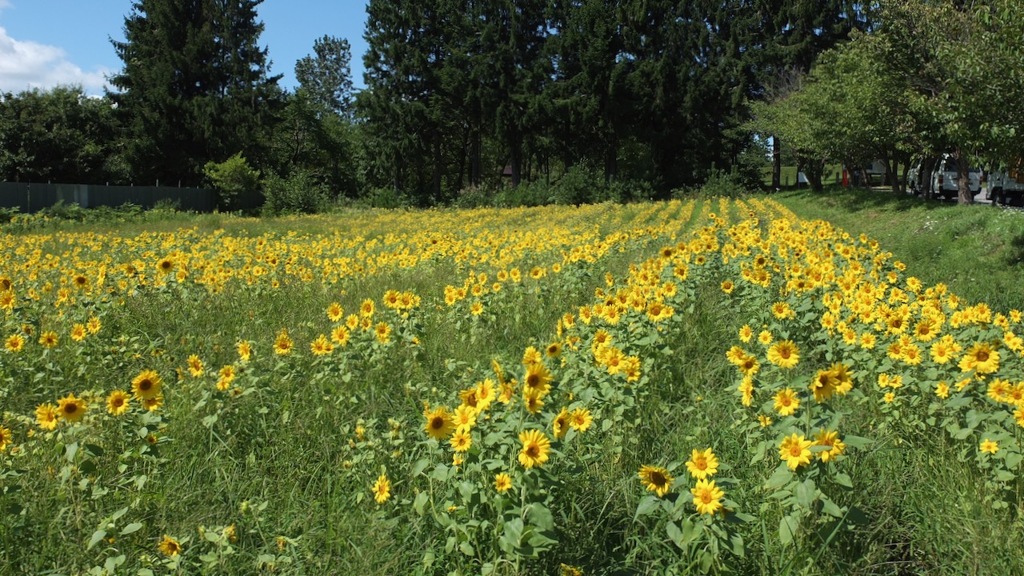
(28, 197)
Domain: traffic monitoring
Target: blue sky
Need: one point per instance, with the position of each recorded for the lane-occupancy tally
(44, 43)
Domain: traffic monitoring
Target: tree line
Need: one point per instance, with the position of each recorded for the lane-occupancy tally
(478, 94)
(930, 78)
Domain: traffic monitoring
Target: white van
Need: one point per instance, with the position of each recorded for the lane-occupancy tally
(945, 179)
(1006, 187)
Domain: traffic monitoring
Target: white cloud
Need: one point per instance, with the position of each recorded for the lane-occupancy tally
(26, 65)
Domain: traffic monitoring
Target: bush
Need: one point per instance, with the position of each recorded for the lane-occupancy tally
(721, 184)
(232, 179)
(298, 193)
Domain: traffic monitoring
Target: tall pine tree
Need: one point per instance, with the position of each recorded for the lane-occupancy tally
(195, 87)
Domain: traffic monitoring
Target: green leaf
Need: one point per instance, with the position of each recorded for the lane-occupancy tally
(113, 562)
(133, 527)
(93, 449)
(831, 508)
(440, 473)
(675, 534)
(96, 537)
(1004, 475)
(806, 493)
(419, 503)
(419, 466)
(691, 530)
(843, 479)
(647, 505)
(787, 530)
(856, 441)
(540, 516)
(466, 548)
(782, 476)
(1012, 460)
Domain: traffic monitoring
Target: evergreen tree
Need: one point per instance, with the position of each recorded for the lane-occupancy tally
(326, 75)
(195, 87)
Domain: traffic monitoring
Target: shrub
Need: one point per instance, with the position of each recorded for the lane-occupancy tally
(232, 179)
(298, 193)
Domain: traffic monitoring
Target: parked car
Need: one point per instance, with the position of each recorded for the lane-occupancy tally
(945, 179)
(1006, 186)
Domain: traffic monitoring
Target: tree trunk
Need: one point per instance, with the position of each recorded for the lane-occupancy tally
(965, 196)
(776, 164)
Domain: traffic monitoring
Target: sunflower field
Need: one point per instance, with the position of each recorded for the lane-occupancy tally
(694, 386)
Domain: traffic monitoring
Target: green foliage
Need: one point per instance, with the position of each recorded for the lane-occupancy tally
(299, 193)
(195, 87)
(233, 179)
(57, 135)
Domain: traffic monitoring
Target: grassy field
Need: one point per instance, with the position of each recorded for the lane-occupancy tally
(702, 386)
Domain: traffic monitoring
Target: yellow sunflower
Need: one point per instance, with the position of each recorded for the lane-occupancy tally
(536, 447)
(656, 479)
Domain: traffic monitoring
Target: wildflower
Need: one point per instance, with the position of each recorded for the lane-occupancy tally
(656, 479)
(981, 358)
(47, 416)
(707, 497)
(942, 390)
(464, 417)
(535, 448)
(554, 350)
(508, 390)
(48, 339)
(461, 440)
(153, 403)
(340, 335)
(560, 424)
(786, 402)
(829, 439)
(764, 420)
(533, 402)
(321, 346)
(567, 570)
(195, 366)
(146, 385)
(71, 409)
(169, 546)
(989, 446)
(382, 331)
(227, 376)
(381, 489)
(784, 354)
(580, 419)
(727, 286)
(335, 312)
(795, 451)
(439, 423)
(14, 343)
(93, 325)
(537, 380)
(702, 464)
(78, 332)
(366, 308)
(502, 482)
(118, 402)
(244, 350)
(6, 437)
(283, 343)
(476, 308)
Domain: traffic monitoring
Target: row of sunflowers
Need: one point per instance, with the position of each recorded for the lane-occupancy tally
(479, 458)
